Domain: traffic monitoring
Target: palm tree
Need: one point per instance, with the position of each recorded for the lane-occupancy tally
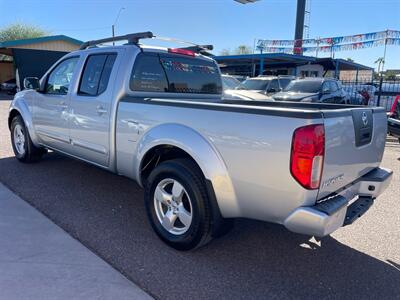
(243, 49)
(380, 61)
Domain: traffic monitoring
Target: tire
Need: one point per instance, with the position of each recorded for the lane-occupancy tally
(21, 142)
(181, 192)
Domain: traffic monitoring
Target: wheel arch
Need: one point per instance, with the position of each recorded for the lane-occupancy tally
(19, 107)
(13, 113)
(176, 140)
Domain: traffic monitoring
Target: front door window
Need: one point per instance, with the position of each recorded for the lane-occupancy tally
(60, 77)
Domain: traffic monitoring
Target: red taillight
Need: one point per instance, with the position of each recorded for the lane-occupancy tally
(307, 160)
(181, 51)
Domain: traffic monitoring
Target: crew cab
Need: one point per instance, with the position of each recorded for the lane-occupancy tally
(157, 116)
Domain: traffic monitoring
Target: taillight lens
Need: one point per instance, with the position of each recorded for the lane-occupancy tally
(181, 51)
(307, 158)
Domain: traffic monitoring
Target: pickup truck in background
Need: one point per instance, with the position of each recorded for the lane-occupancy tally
(157, 115)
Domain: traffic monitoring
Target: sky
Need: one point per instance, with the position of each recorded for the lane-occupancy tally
(223, 23)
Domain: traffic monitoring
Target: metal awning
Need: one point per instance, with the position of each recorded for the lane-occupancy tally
(268, 59)
(342, 64)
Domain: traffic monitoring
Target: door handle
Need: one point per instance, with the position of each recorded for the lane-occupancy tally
(100, 110)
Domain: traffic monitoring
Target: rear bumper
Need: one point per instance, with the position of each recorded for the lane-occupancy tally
(340, 209)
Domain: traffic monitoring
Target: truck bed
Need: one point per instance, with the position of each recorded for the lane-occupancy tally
(254, 141)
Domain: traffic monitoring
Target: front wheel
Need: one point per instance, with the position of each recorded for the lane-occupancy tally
(22, 145)
(178, 205)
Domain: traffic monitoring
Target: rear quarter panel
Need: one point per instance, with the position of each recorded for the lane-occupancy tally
(254, 150)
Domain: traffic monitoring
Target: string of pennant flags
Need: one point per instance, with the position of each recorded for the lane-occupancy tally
(332, 44)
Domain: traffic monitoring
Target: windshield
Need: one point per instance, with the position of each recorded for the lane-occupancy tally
(254, 84)
(304, 86)
(229, 83)
(284, 82)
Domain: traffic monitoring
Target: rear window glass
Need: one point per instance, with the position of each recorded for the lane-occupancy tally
(175, 74)
(148, 74)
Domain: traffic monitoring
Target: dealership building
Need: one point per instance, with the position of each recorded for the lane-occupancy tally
(292, 64)
(32, 57)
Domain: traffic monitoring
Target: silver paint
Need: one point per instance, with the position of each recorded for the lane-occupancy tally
(245, 156)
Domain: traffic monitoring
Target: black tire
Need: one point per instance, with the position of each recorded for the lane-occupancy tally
(203, 223)
(30, 152)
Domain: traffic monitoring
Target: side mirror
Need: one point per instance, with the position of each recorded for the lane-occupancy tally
(325, 91)
(32, 83)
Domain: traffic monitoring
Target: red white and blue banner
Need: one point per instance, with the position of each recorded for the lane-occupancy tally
(332, 44)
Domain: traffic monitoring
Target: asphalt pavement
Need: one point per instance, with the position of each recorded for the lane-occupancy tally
(256, 260)
(39, 260)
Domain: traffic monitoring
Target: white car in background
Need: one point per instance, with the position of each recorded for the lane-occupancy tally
(266, 85)
(230, 83)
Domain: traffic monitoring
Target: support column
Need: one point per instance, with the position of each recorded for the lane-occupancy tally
(261, 71)
(357, 75)
(337, 69)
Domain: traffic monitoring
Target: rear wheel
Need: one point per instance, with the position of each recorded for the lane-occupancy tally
(178, 205)
(23, 147)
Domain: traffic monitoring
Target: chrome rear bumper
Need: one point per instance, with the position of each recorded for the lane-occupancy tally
(339, 209)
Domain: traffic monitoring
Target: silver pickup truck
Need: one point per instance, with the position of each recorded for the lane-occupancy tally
(156, 115)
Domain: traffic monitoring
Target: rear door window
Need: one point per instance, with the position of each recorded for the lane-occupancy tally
(175, 74)
(96, 74)
(105, 76)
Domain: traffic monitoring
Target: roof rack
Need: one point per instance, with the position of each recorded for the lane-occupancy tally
(132, 38)
(199, 48)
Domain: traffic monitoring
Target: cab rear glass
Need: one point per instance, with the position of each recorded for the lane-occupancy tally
(171, 73)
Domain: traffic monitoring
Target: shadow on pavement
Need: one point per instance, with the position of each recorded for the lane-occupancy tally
(256, 260)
